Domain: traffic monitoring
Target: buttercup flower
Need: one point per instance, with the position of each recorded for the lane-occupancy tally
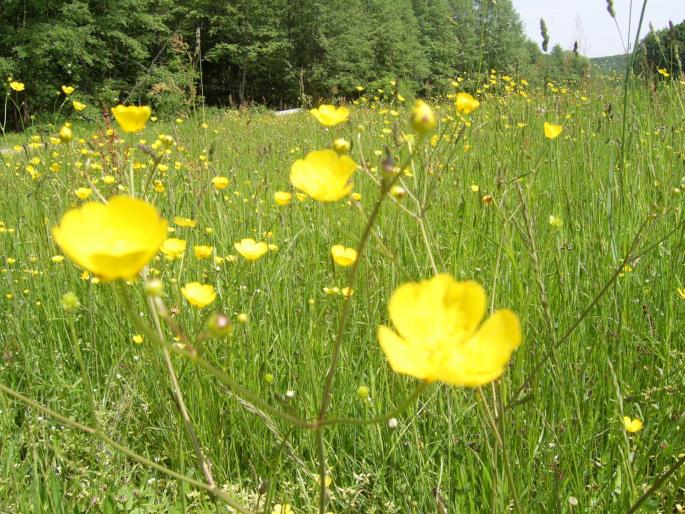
(632, 425)
(438, 335)
(552, 131)
(329, 116)
(250, 249)
(83, 193)
(341, 146)
(113, 240)
(65, 135)
(203, 251)
(282, 198)
(78, 106)
(323, 175)
(343, 256)
(199, 295)
(184, 222)
(132, 118)
(466, 104)
(172, 248)
(67, 90)
(423, 118)
(17, 86)
(220, 183)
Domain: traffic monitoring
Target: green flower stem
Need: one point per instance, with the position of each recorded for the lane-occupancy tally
(386, 185)
(84, 373)
(214, 490)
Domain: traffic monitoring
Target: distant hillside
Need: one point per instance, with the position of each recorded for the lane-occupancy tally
(615, 63)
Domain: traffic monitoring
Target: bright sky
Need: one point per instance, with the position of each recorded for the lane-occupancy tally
(589, 22)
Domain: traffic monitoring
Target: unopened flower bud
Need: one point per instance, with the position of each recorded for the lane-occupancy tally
(154, 287)
(363, 392)
(341, 146)
(219, 325)
(65, 135)
(423, 119)
(70, 302)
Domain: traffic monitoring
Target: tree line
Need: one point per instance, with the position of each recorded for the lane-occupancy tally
(275, 52)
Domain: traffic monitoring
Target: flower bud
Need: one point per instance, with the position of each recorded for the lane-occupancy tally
(154, 287)
(423, 119)
(65, 135)
(341, 146)
(363, 392)
(219, 325)
(70, 302)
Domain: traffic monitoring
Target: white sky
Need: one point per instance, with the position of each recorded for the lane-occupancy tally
(589, 22)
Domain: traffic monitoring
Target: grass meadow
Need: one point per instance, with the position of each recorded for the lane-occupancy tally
(581, 236)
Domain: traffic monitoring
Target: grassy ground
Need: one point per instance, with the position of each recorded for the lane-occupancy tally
(597, 296)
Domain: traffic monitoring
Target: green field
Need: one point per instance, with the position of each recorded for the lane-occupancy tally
(595, 288)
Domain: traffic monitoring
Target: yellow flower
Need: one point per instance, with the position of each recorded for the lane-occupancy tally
(632, 425)
(83, 193)
(251, 249)
(220, 183)
(17, 86)
(113, 240)
(137, 338)
(65, 135)
(323, 175)
(466, 104)
(663, 72)
(282, 198)
(78, 106)
(184, 222)
(329, 116)
(282, 509)
(172, 248)
(438, 337)
(423, 118)
(555, 221)
(681, 292)
(57, 258)
(341, 146)
(343, 256)
(199, 295)
(552, 131)
(132, 118)
(203, 251)
(109, 180)
(67, 90)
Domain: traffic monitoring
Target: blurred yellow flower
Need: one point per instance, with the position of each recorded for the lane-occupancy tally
(137, 338)
(663, 72)
(282, 198)
(113, 240)
(65, 135)
(17, 86)
(83, 193)
(423, 119)
(329, 116)
(173, 247)
(632, 425)
(282, 509)
(552, 131)
(220, 183)
(67, 90)
(184, 222)
(438, 335)
(466, 104)
(78, 106)
(341, 146)
(343, 256)
(323, 175)
(199, 295)
(203, 251)
(251, 249)
(132, 118)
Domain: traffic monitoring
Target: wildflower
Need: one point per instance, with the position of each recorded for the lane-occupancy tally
(83, 193)
(323, 175)
(67, 90)
(475, 188)
(681, 292)
(78, 106)
(154, 287)
(486, 200)
(341, 146)
(132, 118)
(220, 183)
(219, 325)
(203, 251)
(423, 119)
(173, 247)
(250, 249)
(199, 295)
(137, 338)
(17, 86)
(109, 180)
(243, 318)
(552, 131)
(70, 302)
(466, 104)
(113, 240)
(184, 222)
(632, 425)
(282, 198)
(329, 116)
(65, 134)
(398, 192)
(57, 259)
(438, 337)
(663, 72)
(282, 509)
(555, 221)
(343, 256)
(363, 392)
